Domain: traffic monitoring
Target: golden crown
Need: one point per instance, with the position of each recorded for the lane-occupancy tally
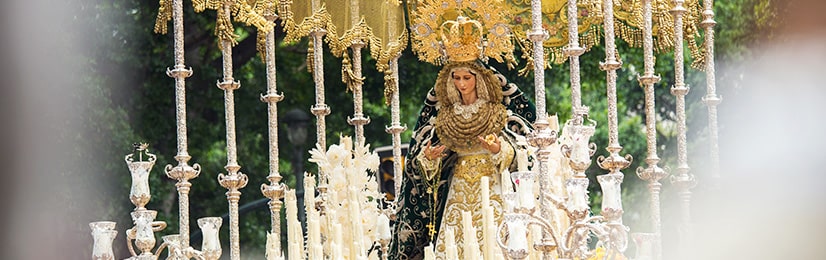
(455, 31)
(462, 39)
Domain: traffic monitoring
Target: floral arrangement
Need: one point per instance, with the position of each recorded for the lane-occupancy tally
(352, 199)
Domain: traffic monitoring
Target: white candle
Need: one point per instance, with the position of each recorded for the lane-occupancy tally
(356, 225)
(522, 160)
(488, 232)
(471, 244)
(270, 252)
(337, 241)
(383, 227)
(485, 183)
(506, 182)
(313, 235)
(526, 195)
(450, 244)
(293, 234)
(428, 253)
(553, 123)
(309, 193)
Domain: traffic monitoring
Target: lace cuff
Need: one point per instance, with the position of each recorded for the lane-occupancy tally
(430, 168)
(504, 157)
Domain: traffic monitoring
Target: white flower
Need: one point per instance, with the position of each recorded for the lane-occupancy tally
(337, 154)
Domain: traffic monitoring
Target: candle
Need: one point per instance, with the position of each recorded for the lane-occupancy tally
(485, 183)
(488, 232)
(293, 226)
(356, 225)
(383, 227)
(428, 253)
(450, 244)
(337, 241)
(309, 193)
(471, 245)
(553, 123)
(506, 182)
(270, 252)
(526, 195)
(313, 236)
(522, 160)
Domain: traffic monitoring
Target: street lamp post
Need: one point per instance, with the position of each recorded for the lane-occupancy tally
(296, 121)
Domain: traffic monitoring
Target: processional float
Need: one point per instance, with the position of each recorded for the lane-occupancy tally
(551, 222)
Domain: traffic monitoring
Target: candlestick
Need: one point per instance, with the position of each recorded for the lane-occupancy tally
(211, 245)
(525, 189)
(611, 193)
(577, 194)
(518, 238)
(536, 237)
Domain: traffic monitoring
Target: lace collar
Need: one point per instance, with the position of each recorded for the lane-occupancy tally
(467, 111)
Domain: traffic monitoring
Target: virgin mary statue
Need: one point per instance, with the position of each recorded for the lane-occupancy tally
(471, 124)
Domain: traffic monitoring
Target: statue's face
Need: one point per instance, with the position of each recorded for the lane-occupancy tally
(465, 82)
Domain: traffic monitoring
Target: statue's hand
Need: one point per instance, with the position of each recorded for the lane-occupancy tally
(434, 152)
(491, 143)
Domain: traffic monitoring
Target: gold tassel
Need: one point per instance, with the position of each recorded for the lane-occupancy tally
(310, 57)
(224, 29)
(347, 74)
(389, 87)
(164, 15)
(261, 45)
